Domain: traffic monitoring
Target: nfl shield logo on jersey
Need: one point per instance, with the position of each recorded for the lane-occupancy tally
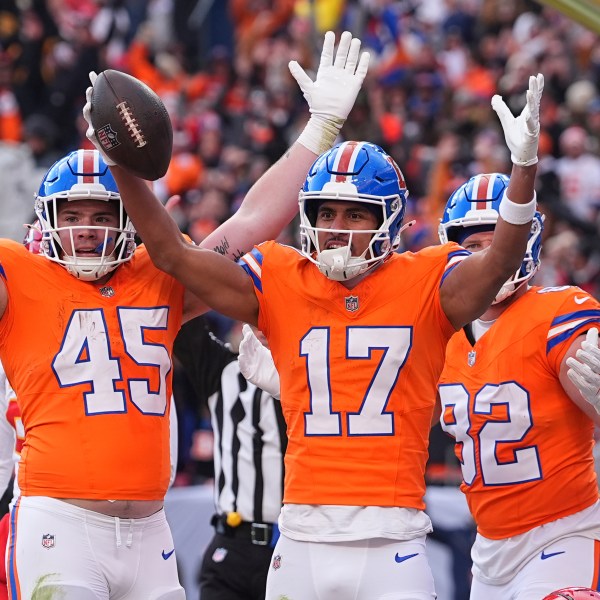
(471, 358)
(276, 562)
(351, 303)
(107, 291)
(48, 540)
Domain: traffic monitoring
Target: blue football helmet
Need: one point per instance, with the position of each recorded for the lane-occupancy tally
(474, 206)
(353, 172)
(82, 175)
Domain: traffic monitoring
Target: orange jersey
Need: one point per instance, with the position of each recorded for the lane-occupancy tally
(521, 441)
(91, 369)
(358, 370)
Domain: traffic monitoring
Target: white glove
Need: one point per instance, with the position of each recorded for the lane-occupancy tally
(584, 371)
(522, 133)
(256, 363)
(331, 96)
(90, 132)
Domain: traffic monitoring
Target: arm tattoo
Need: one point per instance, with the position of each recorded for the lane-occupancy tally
(223, 248)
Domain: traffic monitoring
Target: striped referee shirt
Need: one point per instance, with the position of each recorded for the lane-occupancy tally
(248, 425)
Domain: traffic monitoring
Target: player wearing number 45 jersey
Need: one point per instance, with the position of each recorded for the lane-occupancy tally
(524, 431)
(358, 334)
(94, 387)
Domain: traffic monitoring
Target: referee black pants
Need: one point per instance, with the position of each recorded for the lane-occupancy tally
(234, 568)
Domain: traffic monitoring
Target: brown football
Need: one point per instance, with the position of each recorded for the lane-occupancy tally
(132, 124)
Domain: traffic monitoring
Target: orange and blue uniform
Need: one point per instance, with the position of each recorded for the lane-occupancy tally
(91, 367)
(358, 370)
(521, 440)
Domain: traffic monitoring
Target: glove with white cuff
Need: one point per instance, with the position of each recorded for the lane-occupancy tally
(584, 370)
(256, 363)
(332, 94)
(522, 133)
(90, 131)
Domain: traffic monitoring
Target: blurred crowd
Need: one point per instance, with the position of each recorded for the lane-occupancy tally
(221, 69)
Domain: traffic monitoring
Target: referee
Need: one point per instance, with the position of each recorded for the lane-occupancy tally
(249, 444)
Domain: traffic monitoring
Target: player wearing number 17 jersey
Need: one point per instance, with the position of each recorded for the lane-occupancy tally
(524, 433)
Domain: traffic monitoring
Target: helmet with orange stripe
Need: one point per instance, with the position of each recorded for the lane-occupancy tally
(358, 172)
(82, 176)
(474, 207)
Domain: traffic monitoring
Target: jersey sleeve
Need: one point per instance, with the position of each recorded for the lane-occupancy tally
(456, 255)
(578, 313)
(252, 263)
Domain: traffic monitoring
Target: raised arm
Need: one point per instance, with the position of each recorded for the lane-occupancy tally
(471, 287)
(272, 202)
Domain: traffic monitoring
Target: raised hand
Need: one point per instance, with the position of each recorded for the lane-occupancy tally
(90, 132)
(522, 133)
(584, 370)
(332, 94)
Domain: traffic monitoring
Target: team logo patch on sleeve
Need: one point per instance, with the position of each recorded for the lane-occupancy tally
(48, 540)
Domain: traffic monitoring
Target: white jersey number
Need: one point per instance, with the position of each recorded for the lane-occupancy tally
(479, 449)
(85, 357)
(371, 418)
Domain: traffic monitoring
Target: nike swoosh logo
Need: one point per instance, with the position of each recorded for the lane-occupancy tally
(401, 559)
(579, 300)
(551, 554)
(166, 555)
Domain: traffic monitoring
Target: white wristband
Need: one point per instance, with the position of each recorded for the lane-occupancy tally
(517, 214)
(320, 133)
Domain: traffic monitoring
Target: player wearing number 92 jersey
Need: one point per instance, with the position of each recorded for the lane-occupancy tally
(525, 447)
(524, 433)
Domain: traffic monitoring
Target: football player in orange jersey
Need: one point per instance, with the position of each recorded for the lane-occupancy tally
(358, 334)
(94, 387)
(523, 430)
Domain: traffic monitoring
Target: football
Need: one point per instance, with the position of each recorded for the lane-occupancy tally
(131, 124)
